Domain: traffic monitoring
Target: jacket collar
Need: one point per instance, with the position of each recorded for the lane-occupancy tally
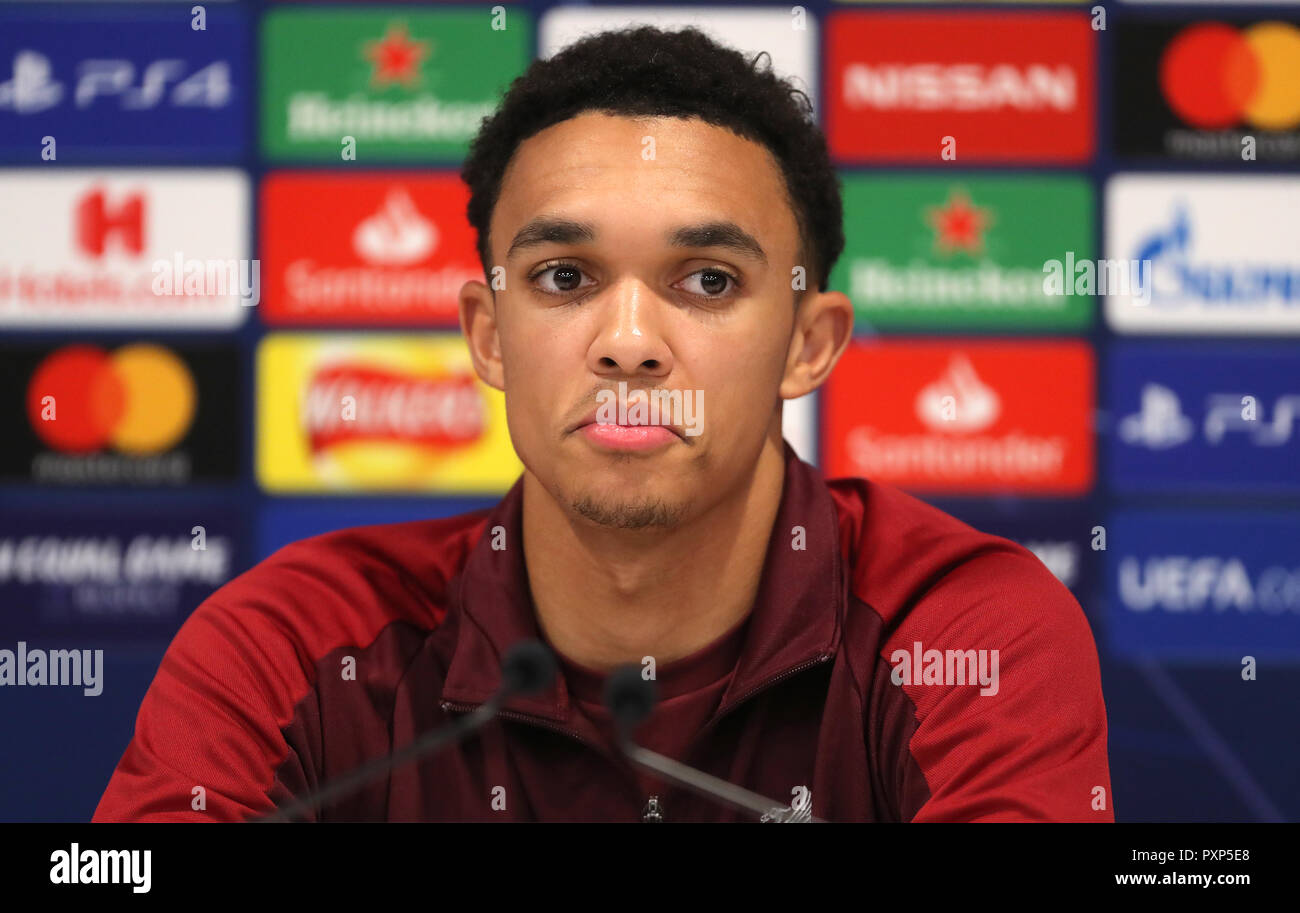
(796, 618)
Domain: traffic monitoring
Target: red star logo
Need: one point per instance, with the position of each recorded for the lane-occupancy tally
(958, 225)
(395, 57)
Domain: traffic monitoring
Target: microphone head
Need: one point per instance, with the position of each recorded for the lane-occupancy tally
(528, 668)
(629, 697)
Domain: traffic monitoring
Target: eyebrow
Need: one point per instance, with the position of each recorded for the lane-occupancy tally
(718, 233)
(550, 230)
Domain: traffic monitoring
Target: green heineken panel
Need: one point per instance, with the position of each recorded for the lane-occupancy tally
(403, 82)
(966, 252)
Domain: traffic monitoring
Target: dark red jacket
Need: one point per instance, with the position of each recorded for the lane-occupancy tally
(251, 705)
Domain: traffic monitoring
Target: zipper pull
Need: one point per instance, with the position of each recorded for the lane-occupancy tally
(653, 812)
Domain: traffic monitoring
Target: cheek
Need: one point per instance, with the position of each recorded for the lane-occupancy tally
(742, 387)
(538, 376)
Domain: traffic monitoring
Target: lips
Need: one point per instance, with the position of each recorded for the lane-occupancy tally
(590, 419)
(607, 436)
(612, 436)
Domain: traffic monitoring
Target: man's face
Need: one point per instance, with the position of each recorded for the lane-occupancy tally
(619, 239)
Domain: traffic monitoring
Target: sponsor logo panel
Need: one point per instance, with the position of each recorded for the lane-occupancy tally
(92, 248)
(963, 252)
(374, 248)
(963, 416)
(130, 414)
(404, 84)
(1223, 418)
(965, 86)
(789, 39)
(365, 413)
(95, 574)
(1222, 253)
(1209, 91)
(1204, 585)
(99, 86)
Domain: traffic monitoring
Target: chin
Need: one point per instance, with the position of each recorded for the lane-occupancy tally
(624, 510)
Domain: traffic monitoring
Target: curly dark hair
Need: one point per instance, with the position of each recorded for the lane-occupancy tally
(646, 71)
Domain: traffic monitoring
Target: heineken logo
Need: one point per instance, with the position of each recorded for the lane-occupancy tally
(937, 252)
(410, 86)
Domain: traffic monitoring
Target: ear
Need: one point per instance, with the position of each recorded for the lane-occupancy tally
(478, 322)
(823, 326)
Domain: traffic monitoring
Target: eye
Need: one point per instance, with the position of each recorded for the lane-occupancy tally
(567, 278)
(713, 281)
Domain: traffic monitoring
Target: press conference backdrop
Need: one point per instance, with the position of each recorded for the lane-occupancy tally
(1140, 436)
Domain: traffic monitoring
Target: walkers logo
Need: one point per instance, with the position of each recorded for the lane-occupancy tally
(137, 414)
(964, 252)
(1204, 585)
(353, 84)
(969, 87)
(87, 248)
(375, 248)
(1223, 253)
(1209, 91)
(378, 412)
(107, 574)
(963, 417)
(77, 91)
(1207, 418)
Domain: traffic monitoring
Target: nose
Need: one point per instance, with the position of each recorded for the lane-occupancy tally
(630, 341)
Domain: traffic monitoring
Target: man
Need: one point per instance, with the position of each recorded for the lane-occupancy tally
(656, 215)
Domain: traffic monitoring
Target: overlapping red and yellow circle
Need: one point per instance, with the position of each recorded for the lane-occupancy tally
(138, 399)
(1215, 75)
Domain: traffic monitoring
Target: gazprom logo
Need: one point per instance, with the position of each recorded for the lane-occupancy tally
(1176, 275)
(1221, 249)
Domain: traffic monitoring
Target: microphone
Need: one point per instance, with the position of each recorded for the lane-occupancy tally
(527, 669)
(630, 699)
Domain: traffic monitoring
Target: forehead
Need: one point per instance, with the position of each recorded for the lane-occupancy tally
(645, 175)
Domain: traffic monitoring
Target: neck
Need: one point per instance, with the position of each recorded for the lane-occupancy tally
(610, 596)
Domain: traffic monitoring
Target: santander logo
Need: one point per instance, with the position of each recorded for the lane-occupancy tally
(396, 235)
(958, 400)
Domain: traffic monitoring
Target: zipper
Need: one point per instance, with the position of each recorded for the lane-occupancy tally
(653, 812)
(761, 686)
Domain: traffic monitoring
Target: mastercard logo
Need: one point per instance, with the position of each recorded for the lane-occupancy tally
(138, 399)
(1215, 76)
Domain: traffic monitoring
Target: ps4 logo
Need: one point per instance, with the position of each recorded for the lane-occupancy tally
(1160, 424)
(1170, 272)
(33, 87)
